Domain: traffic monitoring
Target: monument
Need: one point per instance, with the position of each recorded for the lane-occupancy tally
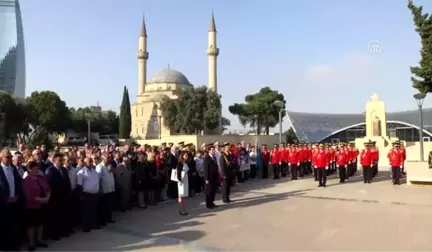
(147, 120)
(376, 128)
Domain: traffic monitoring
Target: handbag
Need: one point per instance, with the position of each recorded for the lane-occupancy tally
(174, 175)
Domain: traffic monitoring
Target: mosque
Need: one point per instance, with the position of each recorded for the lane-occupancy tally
(147, 120)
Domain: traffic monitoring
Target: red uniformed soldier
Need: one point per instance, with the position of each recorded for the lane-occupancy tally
(342, 160)
(366, 162)
(275, 161)
(294, 161)
(265, 156)
(321, 161)
(332, 167)
(284, 159)
(396, 159)
(375, 159)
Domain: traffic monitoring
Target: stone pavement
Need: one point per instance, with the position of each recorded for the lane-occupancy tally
(278, 215)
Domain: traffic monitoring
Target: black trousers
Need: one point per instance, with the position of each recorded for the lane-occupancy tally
(275, 171)
(210, 190)
(294, 171)
(396, 171)
(342, 173)
(300, 169)
(226, 189)
(57, 223)
(265, 170)
(253, 171)
(105, 208)
(315, 171)
(9, 228)
(89, 215)
(349, 171)
(375, 170)
(322, 176)
(284, 167)
(367, 174)
(309, 167)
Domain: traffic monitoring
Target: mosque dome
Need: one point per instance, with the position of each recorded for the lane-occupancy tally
(168, 75)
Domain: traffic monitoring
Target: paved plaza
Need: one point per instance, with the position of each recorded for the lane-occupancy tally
(278, 215)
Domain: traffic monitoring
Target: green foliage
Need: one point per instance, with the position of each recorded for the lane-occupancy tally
(51, 113)
(259, 110)
(225, 123)
(105, 123)
(422, 74)
(125, 121)
(290, 136)
(193, 111)
(8, 109)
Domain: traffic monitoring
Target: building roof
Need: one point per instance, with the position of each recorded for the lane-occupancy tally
(168, 75)
(314, 127)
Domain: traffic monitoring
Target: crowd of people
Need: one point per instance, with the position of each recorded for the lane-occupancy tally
(39, 188)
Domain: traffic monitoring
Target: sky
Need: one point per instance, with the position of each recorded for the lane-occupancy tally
(325, 56)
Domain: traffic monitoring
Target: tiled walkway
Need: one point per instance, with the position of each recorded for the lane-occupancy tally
(286, 215)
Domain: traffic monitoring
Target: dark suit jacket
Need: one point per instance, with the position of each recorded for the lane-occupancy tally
(58, 180)
(226, 166)
(4, 186)
(211, 170)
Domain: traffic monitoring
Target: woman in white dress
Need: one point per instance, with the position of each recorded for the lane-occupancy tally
(183, 182)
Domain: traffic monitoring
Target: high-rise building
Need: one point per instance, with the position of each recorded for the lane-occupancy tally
(12, 52)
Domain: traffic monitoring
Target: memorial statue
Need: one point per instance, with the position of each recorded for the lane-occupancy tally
(376, 126)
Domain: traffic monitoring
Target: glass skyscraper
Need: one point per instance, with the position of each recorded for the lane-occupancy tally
(12, 53)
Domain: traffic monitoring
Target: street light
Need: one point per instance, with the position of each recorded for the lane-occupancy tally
(280, 106)
(420, 99)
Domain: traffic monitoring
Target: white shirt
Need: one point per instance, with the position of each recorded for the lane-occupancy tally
(10, 179)
(252, 155)
(72, 172)
(88, 178)
(107, 178)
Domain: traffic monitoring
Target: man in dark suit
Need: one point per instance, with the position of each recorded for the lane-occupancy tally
(211, 175)
(58, 180)
(10, 195)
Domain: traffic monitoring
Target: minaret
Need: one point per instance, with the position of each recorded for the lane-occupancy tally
(143, 55)
(212, 52)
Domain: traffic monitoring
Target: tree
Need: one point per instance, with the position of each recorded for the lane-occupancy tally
(259, 110)
(290, 136)
(105, 123)
(51, 115)
(195, 110)
(125, 120)
(8, 110)
(225, 123)
(422, 74)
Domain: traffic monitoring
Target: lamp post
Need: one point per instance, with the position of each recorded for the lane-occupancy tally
(88, 132)
(420, 99)
(279, 105)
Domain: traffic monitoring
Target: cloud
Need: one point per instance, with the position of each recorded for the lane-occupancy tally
(357, 68)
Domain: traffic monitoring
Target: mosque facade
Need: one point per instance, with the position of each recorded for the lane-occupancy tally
(147, 119)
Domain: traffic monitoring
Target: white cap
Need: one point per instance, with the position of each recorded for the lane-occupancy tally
(216, 143)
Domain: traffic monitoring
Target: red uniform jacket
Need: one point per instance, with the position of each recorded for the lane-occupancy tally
(342, 158)
(375, 156)
(293, 156)
(352, 155)
(305, 154)
(320, 159)
(309, 154)
(403, 151)
(396, 157)
(366, 157)
(265, 155)
(275, 157)
(283, 155)
(332, 154)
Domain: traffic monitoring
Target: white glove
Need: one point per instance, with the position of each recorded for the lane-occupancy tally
(298, 164)
(280, 163)
(315, 166)
(349, 162)
(309, 161)
(346, 166)
(401, 166)
(326, 168)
